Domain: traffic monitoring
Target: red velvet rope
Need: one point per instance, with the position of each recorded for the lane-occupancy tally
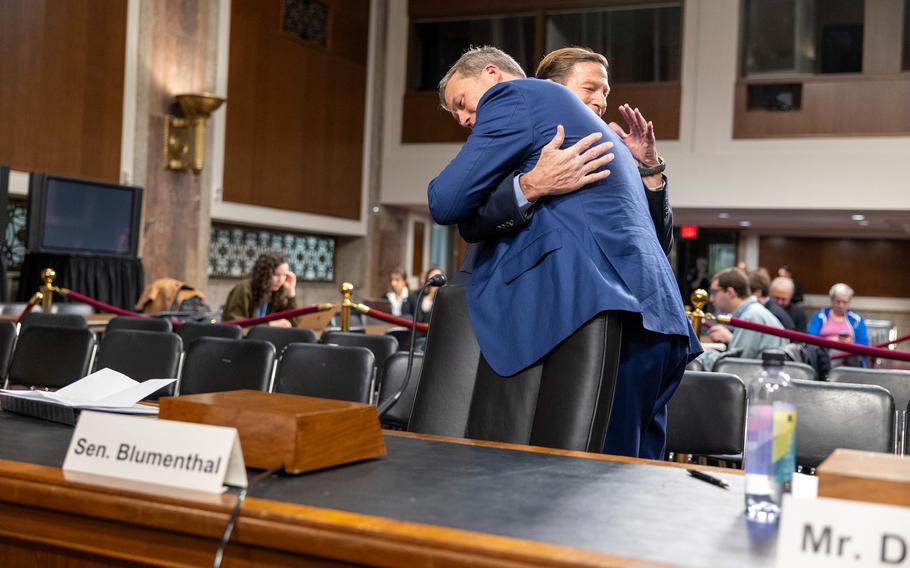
(278, 315)
(27, 310)
(883, 344)
(820, 341)
(389, 318)
(101, 305)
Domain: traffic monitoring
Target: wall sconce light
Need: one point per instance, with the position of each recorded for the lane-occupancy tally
(178, 153)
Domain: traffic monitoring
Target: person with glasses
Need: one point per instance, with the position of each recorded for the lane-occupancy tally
(271, 288)
(731, 294)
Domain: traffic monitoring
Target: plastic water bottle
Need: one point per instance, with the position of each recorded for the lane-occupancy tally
(770, 440)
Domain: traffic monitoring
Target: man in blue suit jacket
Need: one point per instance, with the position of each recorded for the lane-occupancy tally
(585, 252)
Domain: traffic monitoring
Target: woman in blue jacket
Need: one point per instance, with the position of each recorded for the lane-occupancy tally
(839, 322)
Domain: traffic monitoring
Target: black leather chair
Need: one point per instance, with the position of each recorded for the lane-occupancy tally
(907, 431)
(393, 377)
(216, 364)
(327, 371)
(841, 415)
(142, 355)
(51, 357)
(895, 381)
(71, 321)
(281, 337)
(748, 369)
(707, 415)
(7, 344)
(695, 365)
(382, 346)
(563, 401)
(191, 331)
(402, 335)
(142, 324)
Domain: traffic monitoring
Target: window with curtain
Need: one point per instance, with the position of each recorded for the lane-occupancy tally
(439, 44)
(803, 36)
(643, 45)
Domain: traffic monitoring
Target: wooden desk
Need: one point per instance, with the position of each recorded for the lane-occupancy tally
(432, 502)
(96, 322)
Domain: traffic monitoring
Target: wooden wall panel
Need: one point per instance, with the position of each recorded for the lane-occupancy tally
(295, 112)
(831, 106)
(61, 86)
(423, 121)
(437, 9)
(872, 267)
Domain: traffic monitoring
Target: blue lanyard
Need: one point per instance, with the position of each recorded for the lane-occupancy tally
(260, 312)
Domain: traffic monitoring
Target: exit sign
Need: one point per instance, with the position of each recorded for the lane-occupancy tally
(689, 232)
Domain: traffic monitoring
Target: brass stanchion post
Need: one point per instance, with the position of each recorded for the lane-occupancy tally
(347, 290)
(696, 315)
(47, 289)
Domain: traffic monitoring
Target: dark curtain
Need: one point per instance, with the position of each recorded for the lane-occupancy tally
(111, 279)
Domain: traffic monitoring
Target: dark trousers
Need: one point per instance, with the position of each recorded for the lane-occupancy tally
(651, 366)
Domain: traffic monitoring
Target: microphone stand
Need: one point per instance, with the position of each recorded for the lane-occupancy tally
(383, 408)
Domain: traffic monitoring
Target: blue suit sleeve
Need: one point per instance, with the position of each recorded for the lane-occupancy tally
(500, 214)
(862, 335)
(502, 138)
(662, 215)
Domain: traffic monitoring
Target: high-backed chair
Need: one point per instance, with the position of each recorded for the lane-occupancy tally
(71, 321)
(191, 331)
(382, 346)
(396, 367)
(51, 357)
(142, 324)
(281, 337)
(841, 415)
(748, 369)
(216, 364)
(695, 365)
(402, 335)
(895, 381)
(326, 371)
(7, 344)
(707, 415)
(142, 355)
(563, 401)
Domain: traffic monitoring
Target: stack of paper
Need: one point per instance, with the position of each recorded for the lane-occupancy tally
(105, 390)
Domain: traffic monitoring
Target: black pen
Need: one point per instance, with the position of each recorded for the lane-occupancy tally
(722, 483)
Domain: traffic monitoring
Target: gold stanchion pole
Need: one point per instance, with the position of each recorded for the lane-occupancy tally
(47, 289)
(697, 316)
(347, 290)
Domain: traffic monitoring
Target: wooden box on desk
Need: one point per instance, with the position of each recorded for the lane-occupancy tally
(301, 433)
(865, 476)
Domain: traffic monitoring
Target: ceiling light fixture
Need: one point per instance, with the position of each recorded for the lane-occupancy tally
(745, 223)
(858, 217)
(723, 215)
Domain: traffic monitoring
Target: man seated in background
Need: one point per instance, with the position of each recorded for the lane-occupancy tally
(731, 294)
(760, 285)
(781, 292)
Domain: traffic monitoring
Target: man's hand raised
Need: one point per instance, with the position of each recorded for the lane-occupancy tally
(561, 171)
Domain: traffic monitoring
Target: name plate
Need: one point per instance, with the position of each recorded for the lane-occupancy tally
(163, 452)
(835, 532)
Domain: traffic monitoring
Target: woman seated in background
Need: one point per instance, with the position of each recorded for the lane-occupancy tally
(839, 322)
(426, 304)
(272, 288)
(398, 292)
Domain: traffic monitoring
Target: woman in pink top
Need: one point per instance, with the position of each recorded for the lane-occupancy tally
(839, 322)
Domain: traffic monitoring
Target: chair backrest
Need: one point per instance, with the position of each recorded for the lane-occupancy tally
(143, 324)
(563, 401)
(326, 371)
(880, 331)
(281, 337)
(382, 346)
(402, 335)
(707, 415)
(71, 321)
(895, 381)
(841, 415)
(73, 308)
(142, 355)
(7, 344)
(51, 357)
(215, 364)
(191, 331)
(748, 369)
(392, 379)
(695, 365)
(907, 431)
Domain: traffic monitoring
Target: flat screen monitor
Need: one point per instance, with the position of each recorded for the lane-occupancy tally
(67, 215)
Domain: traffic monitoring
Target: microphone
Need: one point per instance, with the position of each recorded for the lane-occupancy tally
(434, 281)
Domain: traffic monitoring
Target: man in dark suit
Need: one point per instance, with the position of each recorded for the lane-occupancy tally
(584, 253)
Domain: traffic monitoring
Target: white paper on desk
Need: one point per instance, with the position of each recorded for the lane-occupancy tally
(102, 390)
